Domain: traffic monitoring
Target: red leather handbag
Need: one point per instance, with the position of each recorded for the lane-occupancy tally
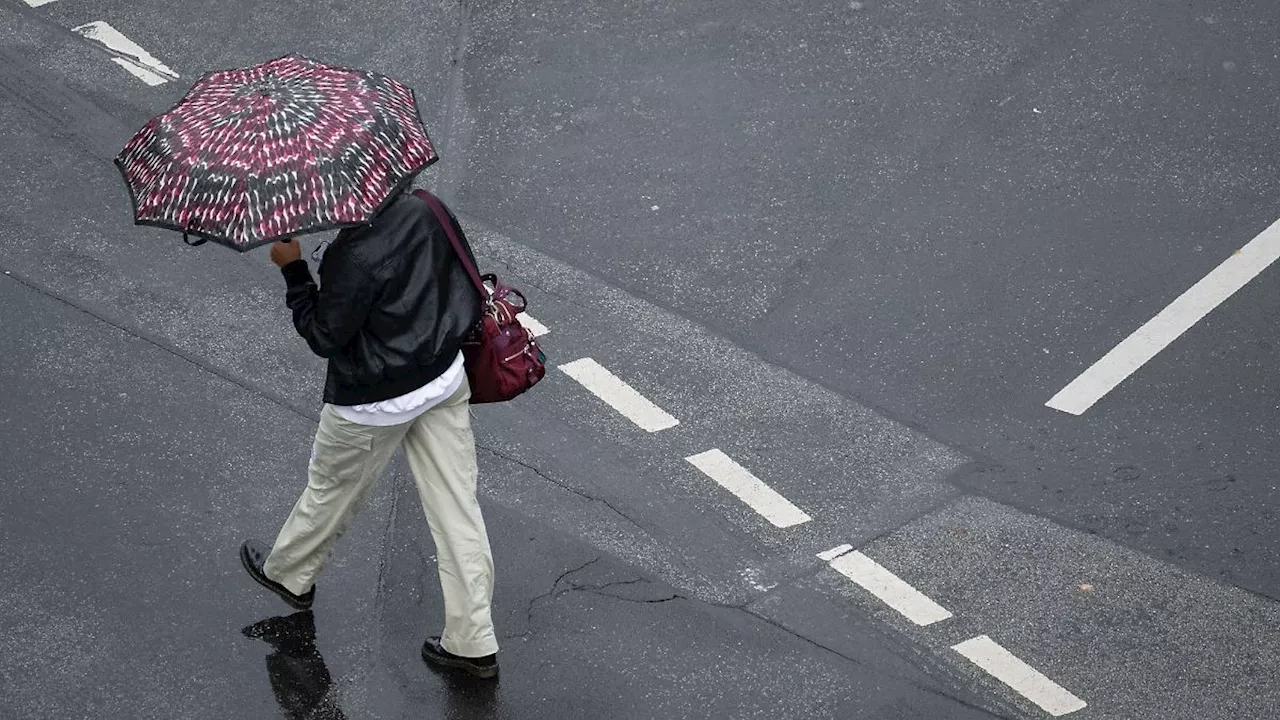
(502, 358)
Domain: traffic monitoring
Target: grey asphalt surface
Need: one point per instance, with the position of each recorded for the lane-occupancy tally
(857, 246)
(944, 211)
(124, 596)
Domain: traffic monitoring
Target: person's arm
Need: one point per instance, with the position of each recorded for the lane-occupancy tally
(329, 316)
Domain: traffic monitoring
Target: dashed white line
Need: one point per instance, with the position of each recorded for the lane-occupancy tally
(38, 3)
(535, 327)
(749, 489)
(138, 61)
(1024, 679)
(835, 552)
(140, 72)
(1134, 351)
(619, 395)
(891, 589)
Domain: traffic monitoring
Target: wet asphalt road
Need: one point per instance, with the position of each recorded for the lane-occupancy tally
(855, 246)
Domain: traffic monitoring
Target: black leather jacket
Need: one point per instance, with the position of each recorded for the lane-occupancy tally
(393, 306)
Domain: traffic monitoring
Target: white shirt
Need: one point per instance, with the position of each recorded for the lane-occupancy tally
(400, 410)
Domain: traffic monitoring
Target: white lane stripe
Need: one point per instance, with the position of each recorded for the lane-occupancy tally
(38, 3)
(114, 40)
(749, 489)
(834, 552)
(619, 395)
(891, 589)
(1024, 679)
(535, 327)
(140, 72)
(1134, 351)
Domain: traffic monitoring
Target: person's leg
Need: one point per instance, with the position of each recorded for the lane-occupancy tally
(345, 464)
(442, 456)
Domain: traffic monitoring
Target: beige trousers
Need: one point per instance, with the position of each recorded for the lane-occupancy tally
(346, 463)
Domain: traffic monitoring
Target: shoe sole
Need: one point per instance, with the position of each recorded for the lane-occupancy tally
(282, 593)
(469, 668)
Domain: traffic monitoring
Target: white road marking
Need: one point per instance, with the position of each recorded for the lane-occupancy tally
(38, 3)
(1134, 351)
(619, 395)
(1024, 679)
(891, 589)
(749, 489)
(140, 72)
(535, 327)
(835, 552)
(115, 41)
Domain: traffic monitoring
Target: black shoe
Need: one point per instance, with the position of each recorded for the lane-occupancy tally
(481, 667)
(253, 556)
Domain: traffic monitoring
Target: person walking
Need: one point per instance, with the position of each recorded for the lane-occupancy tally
(392, 309)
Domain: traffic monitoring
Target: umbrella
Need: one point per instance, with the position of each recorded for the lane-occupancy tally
(259, 154)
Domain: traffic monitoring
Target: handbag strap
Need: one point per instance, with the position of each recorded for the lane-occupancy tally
(443, 217)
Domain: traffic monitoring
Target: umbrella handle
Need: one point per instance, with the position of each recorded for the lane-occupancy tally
(198, 242)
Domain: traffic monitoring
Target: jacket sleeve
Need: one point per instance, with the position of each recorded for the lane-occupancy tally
(329, 316)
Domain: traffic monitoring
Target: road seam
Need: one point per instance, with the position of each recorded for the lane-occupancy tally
(982, 651)
(166, 347)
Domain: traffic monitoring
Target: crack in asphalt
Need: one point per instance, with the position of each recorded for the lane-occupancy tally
(598, 590)
(614, 583)
(601, 589)
(551, 593)
(538, 472)
(556, 591)
(384, 552)
(638, 601)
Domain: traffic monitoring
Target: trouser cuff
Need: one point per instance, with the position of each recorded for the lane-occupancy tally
(475, 648)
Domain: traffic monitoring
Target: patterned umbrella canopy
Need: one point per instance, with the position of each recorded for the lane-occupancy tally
(290, 146)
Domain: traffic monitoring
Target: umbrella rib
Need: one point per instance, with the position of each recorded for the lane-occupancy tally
(255, 208)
